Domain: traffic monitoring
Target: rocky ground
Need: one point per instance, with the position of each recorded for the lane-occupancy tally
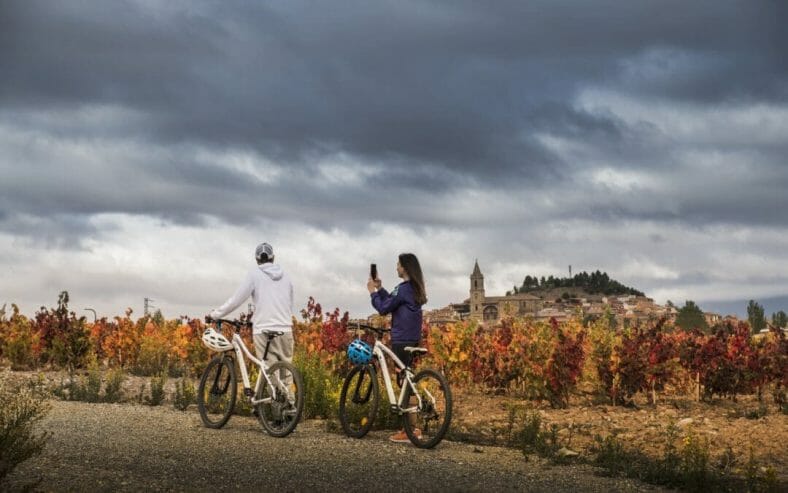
(126, 447)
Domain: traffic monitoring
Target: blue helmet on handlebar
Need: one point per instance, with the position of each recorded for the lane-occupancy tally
(359, 352)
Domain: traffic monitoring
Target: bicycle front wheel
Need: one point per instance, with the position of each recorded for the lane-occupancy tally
(284, 399)
(217, 392)
(358, 401)
(427, 426)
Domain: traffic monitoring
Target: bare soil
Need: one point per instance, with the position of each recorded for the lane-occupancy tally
(724, 423)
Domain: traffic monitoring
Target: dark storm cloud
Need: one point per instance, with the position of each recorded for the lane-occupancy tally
(440, 96)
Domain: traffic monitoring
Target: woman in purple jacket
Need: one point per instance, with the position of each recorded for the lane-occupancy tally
(404, 303)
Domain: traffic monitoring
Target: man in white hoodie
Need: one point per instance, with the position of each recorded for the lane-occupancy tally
(272, 294)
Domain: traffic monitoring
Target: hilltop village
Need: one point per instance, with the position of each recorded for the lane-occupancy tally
(561, 303)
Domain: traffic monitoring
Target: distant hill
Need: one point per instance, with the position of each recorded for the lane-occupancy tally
(739, 307)
(594, 283)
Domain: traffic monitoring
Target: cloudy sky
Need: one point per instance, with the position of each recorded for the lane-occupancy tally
(146, 147)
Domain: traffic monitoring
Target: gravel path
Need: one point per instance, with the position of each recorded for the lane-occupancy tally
(122, 447)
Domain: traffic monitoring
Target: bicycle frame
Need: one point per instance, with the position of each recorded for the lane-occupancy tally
(240, 351)
(380, 351)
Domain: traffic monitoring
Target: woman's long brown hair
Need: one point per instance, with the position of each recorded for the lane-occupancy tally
(410, 263)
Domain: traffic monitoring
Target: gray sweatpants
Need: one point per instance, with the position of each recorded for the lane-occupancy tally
(281, 349)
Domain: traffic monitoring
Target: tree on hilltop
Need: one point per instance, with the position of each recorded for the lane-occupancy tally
(690, 316)
(755, 316)
(593, 283)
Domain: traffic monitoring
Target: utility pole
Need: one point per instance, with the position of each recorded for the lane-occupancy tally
(148, 306)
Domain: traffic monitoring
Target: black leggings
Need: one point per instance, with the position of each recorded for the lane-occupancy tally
(399, 349)
(407, 358)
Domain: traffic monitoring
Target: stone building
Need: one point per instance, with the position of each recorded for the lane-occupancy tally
(490, 309)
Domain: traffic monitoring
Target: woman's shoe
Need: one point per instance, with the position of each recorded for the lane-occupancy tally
(402, 437)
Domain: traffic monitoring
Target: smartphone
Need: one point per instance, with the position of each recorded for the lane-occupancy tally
(373, 271)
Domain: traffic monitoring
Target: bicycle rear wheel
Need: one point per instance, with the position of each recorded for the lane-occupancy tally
(280, 414)
(217, 392)
(428, 425)
(359, 400)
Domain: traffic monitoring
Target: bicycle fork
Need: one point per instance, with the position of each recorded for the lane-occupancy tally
(216, 388)
(357, 398)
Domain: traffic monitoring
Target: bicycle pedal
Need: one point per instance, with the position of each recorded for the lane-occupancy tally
(248, 392)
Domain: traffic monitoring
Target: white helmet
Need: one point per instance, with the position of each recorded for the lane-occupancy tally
(215, 340)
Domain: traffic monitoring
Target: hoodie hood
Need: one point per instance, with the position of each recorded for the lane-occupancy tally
(273, 271)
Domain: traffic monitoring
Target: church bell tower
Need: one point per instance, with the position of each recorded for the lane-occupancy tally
(477, 293)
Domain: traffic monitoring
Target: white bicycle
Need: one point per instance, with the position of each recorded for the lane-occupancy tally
(425, 401)
(278, 394)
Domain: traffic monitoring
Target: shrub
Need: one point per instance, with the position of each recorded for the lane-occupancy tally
(152, 358)
(492, 360)
(629, 367)
(533, 437)
(64, 339)
(19, 350)
(758, 478)
(321, 386)
(323, 334)
(86, 388)
(774, 365)
(157, 393)
(599, 363)
(611, 455)
(686, 468)
(662, 358)
(196, 354)
(564, 366)
(758, 413)
(451, 348)
(89, 388)
(185, 394)
(121, 342)
(694, 465)
(22, 408)
(113, 390)
(17, 340)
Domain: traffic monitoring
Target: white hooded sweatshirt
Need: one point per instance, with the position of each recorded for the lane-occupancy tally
(272, 294)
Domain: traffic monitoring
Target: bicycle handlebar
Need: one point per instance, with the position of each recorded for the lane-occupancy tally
(238, 324)
(370, 328)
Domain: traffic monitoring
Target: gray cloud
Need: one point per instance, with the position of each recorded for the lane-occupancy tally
(459, 85)
(500, 126)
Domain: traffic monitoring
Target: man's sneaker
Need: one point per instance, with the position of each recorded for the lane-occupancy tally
(402, 437)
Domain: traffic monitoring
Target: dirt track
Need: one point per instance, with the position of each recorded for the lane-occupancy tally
(123, 447)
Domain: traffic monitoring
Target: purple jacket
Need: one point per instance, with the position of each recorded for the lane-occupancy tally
(405, 312)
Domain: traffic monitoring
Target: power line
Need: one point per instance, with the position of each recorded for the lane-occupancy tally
(148, 306)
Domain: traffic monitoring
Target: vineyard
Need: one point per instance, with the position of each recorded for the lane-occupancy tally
(533, 365)
(533, 360)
